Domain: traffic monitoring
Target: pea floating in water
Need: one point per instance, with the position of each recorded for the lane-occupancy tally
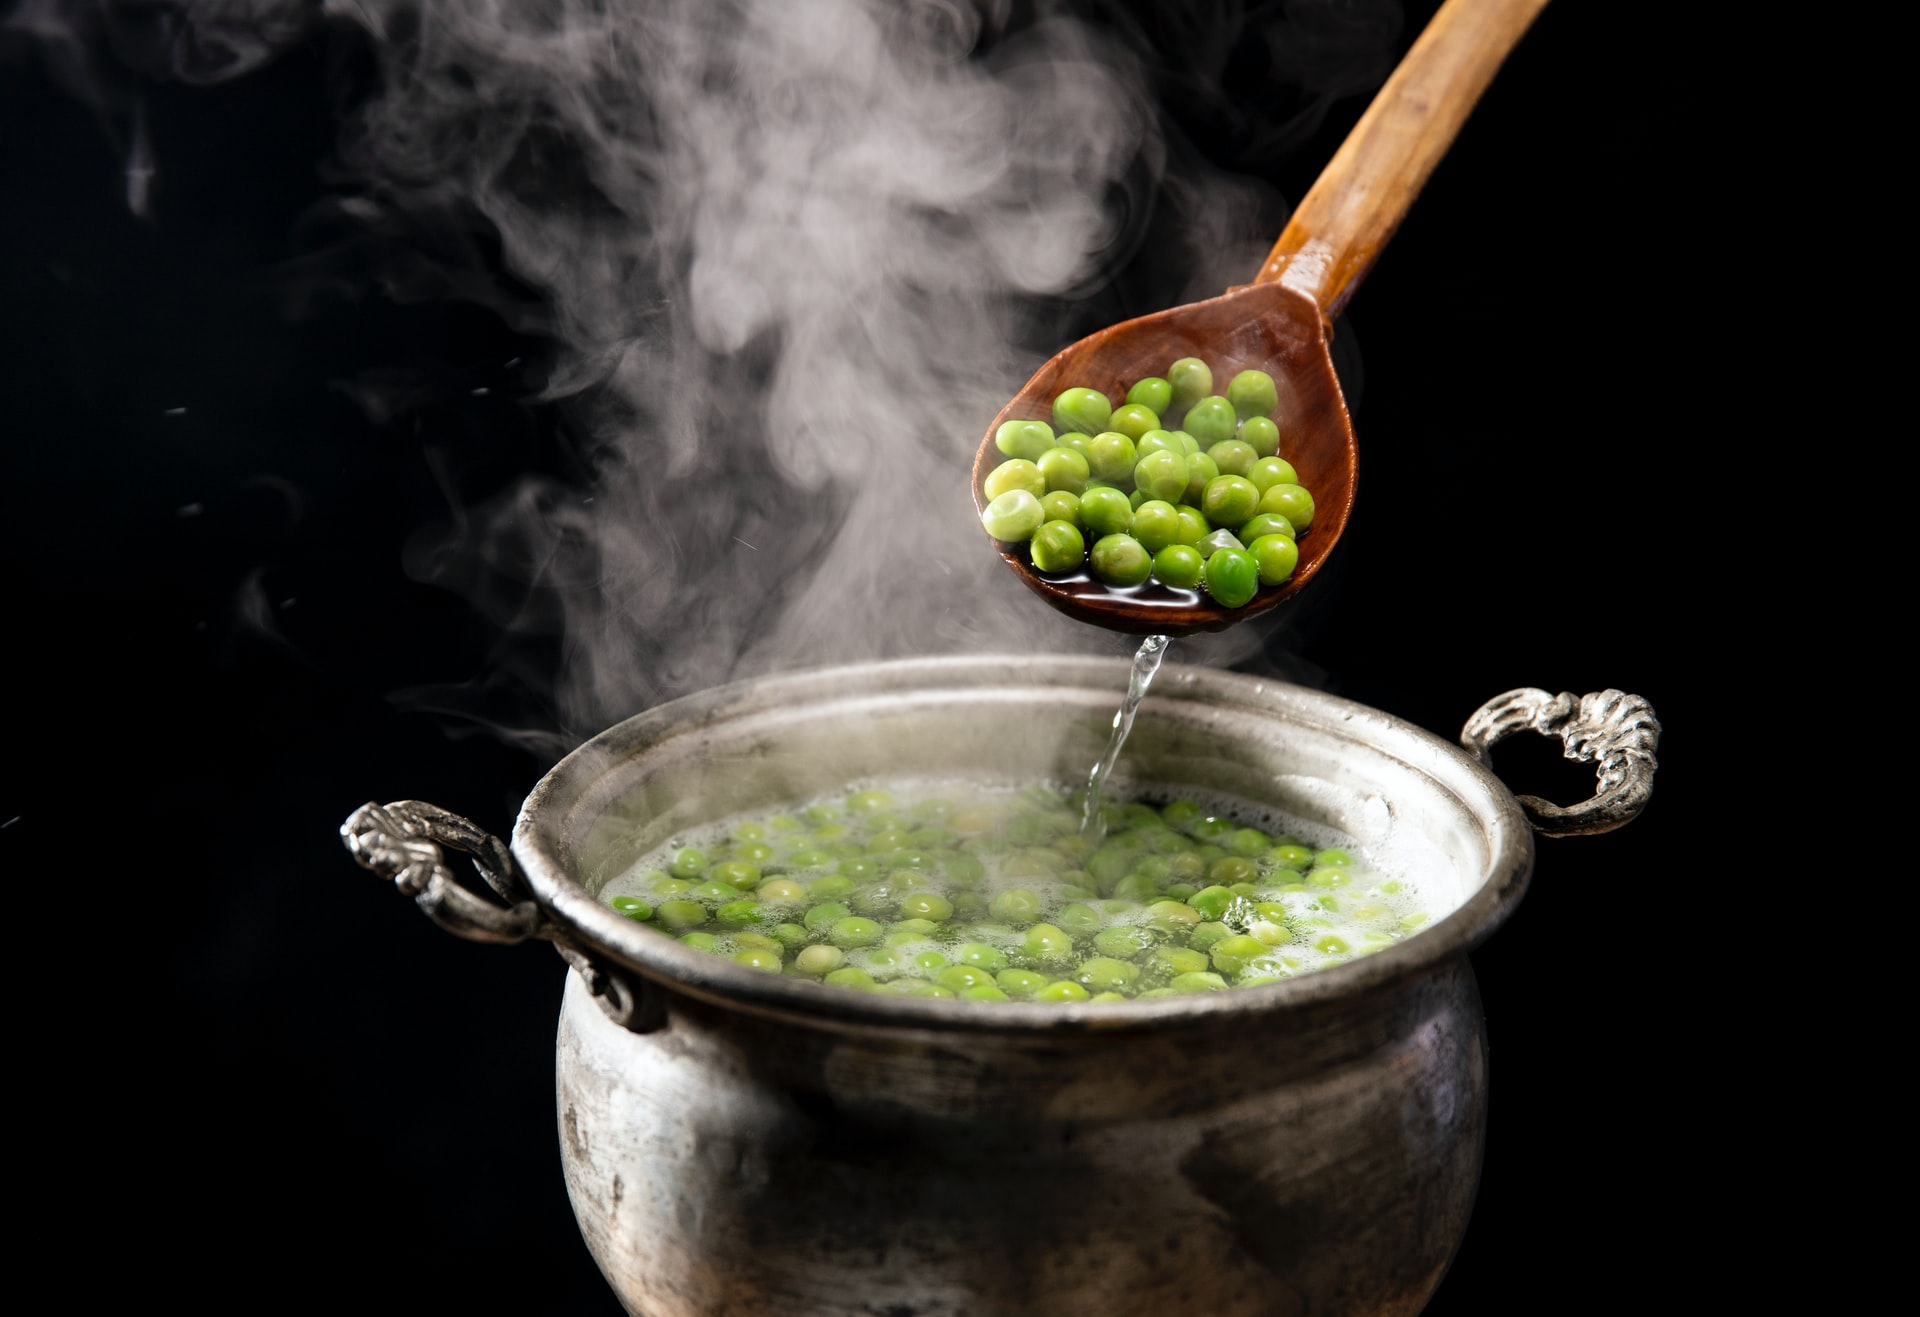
(990, 894)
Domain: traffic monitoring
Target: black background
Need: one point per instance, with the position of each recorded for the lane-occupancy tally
(297, 1093)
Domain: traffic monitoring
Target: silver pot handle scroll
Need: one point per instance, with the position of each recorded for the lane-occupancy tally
(401, 842)
(1611, 729)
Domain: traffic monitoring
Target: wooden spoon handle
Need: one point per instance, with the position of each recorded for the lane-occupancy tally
(1344, 221)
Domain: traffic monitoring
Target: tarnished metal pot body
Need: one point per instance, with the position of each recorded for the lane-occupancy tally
(1309, 1147)
(745, 1143)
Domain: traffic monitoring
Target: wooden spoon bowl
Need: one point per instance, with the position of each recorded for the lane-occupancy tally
(1258, 327)
(1280, 322)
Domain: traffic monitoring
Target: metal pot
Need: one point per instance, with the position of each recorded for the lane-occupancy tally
(743, 1143)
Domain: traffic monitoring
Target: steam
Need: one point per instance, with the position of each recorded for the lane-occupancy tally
(792, 255)
(793, 250)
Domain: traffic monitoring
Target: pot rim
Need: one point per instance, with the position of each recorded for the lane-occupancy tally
(664, 962)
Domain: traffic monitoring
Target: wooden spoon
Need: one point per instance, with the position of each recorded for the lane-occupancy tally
(1280, 323)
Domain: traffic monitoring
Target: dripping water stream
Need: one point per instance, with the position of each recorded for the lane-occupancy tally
(1146, 662)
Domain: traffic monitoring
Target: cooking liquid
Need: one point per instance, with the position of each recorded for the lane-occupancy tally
(1146, 662)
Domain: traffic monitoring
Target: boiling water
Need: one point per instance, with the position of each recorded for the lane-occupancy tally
(990, 893)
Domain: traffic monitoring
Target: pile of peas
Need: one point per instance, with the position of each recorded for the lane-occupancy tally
(1209, 505)
(995, 896)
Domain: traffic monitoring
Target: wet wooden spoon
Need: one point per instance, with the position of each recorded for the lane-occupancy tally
(1280, 322)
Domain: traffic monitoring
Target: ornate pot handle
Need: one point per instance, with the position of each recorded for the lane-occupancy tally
(1611, 727)
(401, 842)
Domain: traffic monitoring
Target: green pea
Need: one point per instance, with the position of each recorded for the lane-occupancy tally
(961, 977)
(1211, 902)
(1079, 443)
(850, 977)
(1059, 505)
(1153, 393)
(833, 886)
(1100, 998)
(1105, 974)
(1292, 502)
(1203, 936)
(1231, 869)
(1232, 577)
(791, 935)
(1173, 961)
(1188, 444)
(1082, 411)
(1230, 955)
(1271, 471)
(781, 891)
(1333, 857)
(739, 913)
(1173, 916)
(1156, 992)
(1331, 945)
(980, 956)
(1263, 523)
(681, 914)
(1121, 560)
(1080, 919)
(1274, 557)
(1046, 942)
(1134, 419)
(1058, 546)
(808, 857)
(1122, 941)
(1016, 905)
(1026, 439)
(758, 958)
(817, 815)
(1157, 441)
(1112, 456)
(632, 907)
(1290, 856)
(1194, 525)
(1189, 380)
(853, 931)
(1064, 469)
(1234, 457)
(917, 927)
(1161, 476)
(1229, 500)
(1329, 877)
(984, 992)
(1197, 982)
(821, 917)
(1210, 420)
(1179, 891)
(1136, 887)
(927, 962)
(1105, 511)
(1261, 434)
(926, 905)
(688, 863)
(1061, 990)
(1252, 393)
(1015, 474)
(1179, 566)
(1013, 517)
(1201, 472)
(1020, 984)
(760, 940)
(701, 941)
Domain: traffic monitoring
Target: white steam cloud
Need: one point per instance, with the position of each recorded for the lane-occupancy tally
(792, 247)
(792, 256)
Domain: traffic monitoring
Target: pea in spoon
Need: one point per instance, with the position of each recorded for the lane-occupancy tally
(1280, 323)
